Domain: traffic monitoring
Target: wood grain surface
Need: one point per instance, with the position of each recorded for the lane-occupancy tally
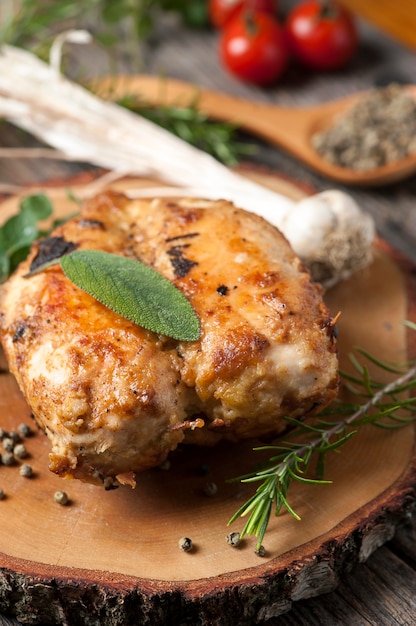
(134, 551)
(395, 18)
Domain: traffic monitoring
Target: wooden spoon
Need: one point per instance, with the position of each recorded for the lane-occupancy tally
(288, 128)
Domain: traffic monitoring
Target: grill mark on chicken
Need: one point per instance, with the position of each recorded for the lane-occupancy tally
(115, 399)
(50, 249)
(20, 331)
(181, 265)
(186, 236)
(222, 290)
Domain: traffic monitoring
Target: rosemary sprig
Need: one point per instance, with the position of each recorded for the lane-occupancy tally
(187, 122)
(36, 22)
(383, 408)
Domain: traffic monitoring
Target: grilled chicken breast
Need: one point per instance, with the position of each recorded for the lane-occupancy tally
(115, 399)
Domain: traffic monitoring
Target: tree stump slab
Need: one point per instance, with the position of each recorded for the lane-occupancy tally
(112, 557)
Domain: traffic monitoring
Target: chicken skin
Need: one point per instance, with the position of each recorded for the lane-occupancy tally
(114, 398)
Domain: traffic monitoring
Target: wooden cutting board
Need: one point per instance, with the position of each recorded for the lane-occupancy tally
(112, 558)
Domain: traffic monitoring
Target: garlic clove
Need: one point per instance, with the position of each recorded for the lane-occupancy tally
(331, 234)
(307, 225)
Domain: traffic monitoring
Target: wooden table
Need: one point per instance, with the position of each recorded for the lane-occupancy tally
(396, 18)
(382, 590)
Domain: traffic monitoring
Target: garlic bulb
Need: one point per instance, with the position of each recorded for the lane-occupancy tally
(331, 234)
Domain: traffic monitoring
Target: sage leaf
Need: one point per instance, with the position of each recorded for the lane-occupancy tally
(133, 290)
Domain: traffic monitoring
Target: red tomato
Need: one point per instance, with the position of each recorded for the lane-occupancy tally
(222, 11)
(322, 35)
(253, 48)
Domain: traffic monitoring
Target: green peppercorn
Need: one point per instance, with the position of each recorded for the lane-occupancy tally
(26, 470)
(185, 544)
(8, 444)
(14, 436)
(24, 430)
(233, 539)
(20, 451)
(61, 497)
(210, 489)
(261, 551)
(7, 458)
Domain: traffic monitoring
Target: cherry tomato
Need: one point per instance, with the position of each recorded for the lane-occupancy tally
(222, 11)
(253, 48)
(323, 35)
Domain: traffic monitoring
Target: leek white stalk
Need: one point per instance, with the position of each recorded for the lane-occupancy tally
(66, 116)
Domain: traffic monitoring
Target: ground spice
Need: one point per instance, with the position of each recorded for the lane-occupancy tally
(377, 130)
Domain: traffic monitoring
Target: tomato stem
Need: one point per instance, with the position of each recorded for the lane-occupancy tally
(328, 10)
(250, 22)
(250, 10)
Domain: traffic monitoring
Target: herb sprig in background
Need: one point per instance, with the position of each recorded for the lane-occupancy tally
(35, 23)
(220, 139)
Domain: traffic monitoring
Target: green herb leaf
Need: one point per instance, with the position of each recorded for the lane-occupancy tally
(37, 22)
(37, 205)
(133, 290)
(19, 232)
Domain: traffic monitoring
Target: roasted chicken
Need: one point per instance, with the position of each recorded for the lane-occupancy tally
(115, 399)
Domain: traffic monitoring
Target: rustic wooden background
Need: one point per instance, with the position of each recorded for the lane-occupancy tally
(381, 591)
